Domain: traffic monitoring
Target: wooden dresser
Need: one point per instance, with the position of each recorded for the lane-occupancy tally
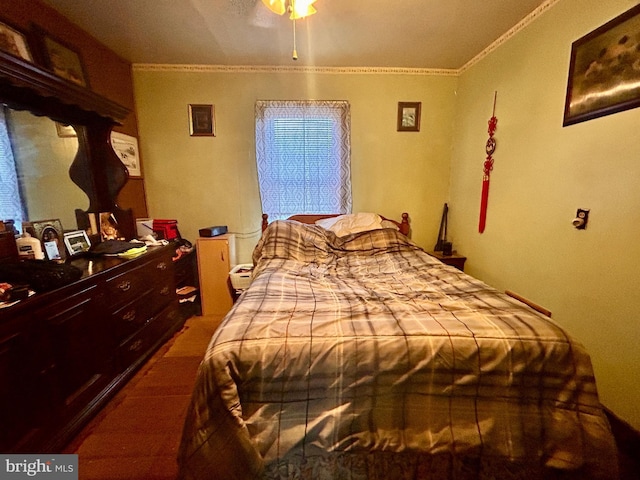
(64, 353)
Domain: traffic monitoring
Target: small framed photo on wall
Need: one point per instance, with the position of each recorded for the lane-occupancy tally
(409, 116)
(202, 121)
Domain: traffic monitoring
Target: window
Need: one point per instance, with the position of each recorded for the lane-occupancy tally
(303, 156)
(11, 207)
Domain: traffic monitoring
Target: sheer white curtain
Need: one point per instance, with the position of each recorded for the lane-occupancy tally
(303, 151)
(10, 198)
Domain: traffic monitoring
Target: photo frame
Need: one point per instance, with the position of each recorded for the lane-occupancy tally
(602, 79)
(61, 59)
(77, 242)
(108, 226)
(51, 236)
(126, 147)
(202, 120)
(409, 116)
(14, 42)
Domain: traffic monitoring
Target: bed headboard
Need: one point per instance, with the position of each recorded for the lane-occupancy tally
(311, 218)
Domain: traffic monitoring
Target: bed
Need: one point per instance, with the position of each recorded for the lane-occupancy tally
(360, 357)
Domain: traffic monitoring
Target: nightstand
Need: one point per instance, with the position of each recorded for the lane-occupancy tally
(455, 260)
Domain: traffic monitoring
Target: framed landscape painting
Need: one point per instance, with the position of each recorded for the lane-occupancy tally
(604, 72)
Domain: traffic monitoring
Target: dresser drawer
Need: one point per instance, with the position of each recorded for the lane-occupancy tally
(132, 316)
(128, 286)
(155, 330)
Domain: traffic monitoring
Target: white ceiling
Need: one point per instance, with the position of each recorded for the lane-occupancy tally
(439, 34)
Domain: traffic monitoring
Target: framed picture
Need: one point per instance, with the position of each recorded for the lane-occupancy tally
(50, 234)
(77, 242)
(62, 59)
(409, 116)
(65, 131)
(126, 147)
(202, 121)
(603, 72)
(14, 42)
(108, 226)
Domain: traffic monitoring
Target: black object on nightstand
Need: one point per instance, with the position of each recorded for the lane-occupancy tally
(454, 259)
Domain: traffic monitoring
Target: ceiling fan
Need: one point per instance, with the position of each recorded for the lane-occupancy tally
(296, 8)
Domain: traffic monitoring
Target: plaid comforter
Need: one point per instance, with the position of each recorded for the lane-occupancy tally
(362, 354)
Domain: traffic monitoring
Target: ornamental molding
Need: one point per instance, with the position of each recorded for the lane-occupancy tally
(187, 68)
(155, 67)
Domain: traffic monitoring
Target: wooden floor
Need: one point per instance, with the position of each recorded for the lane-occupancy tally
(136, 435)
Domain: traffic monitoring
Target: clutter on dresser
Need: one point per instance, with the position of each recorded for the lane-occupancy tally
(29, 247)
(166, 229)
(50, 235)
(39, 275)
(119, 248)
(77, 242)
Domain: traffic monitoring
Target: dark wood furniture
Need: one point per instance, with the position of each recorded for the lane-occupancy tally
(187, 278)
(64, 353)
(455, 260)
(96, 169)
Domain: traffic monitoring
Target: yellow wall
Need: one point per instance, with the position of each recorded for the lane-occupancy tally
(542, 174)
(204, 181)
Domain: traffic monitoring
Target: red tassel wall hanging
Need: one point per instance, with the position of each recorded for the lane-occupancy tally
(488, 166)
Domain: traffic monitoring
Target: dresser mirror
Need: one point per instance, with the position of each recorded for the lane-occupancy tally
(41, 153)
(62, 175)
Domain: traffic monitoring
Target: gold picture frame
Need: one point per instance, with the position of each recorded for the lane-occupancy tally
(14, 42)
(61, 59)
(202, 121)
(603, 75)
(409, 116)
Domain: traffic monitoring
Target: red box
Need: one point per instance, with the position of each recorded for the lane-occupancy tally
(166, 229)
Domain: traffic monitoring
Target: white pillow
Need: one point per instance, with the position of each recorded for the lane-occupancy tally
(352, 223)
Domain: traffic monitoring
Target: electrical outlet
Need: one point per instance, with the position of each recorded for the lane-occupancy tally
(582, 217)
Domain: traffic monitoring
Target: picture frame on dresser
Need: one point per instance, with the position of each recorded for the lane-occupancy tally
(77, 242)
(14, 42)
(51, 236)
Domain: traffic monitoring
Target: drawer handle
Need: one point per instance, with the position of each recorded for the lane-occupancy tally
(130, 316)
(125, 286)
(165, 291)
(135, 346)
(161, 266)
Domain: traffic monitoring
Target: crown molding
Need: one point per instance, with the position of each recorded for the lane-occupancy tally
(155, 67)
(186, 68)
(524, 23)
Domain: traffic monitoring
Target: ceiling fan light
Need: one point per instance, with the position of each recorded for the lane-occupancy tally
(276, 6)
(302, 8)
